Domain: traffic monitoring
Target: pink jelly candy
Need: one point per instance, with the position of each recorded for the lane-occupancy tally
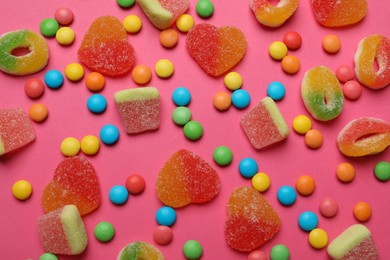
(251, 220)
(163, 13)
(139, 109)
(62, 231)
(105, 48)
(353, 243)
(187, 178)
(364, 136)
(16, 130)
(216, 50)
(264, 124)
(74, 182)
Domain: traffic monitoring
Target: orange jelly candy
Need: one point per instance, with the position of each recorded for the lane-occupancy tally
(333, 13)
(187, 178)
(273, 16)
(216, 50)
(251, 220)
(374, 48)
(74, 182)
(105, 48)
(364, 136)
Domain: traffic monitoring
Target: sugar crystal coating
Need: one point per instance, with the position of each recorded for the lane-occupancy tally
(74, 182)
(163, 13)
(264, 124)
(105, 48)
(62, 231)
(273, 16)
(251, 220)
(364, 136)
(353, 243)
(187, 178)
(216, 49)
(334, 13)
(140, 250)
(371, 49)
(16, 130)
(26, 64)
(322, 94)
(139, 109)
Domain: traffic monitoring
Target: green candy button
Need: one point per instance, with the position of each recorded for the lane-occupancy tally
(49, 27)
(125, 3)
(104, 231)
(181, 115)
(192, 250)
(204, 8)
(193, 130)
(222, 155)
(382, 171)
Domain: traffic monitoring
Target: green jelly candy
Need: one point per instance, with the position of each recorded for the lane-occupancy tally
(48, 256)
(382, 171)
(192, 249)
(222, 155)
(181, 115)
(204, 8)
(49, 27)
(125, 3)
(104, 231)
(193, 130)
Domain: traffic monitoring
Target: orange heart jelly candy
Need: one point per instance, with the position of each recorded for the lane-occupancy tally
(371, 49)
(33, 61)
(334, 13)
(62, 231)
(74, 182)
(163, 13)
(16, 130)
(273, 16)
(264, 125)
(355, 242)
(139, 109)
(187, 178)
(216, 50)
(364, 136)
(105, 48)
(251, 220)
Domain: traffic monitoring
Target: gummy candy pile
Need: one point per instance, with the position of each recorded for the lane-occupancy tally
(194, 129)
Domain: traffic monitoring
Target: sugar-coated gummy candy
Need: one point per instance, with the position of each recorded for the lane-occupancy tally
(216, 49)
(74, 182)
(355, 242)
(139, 109)
(335, 13)
(187, 178)
(321, 93)
(273, 15)
(371, 49)
(166, 216)
(104, 231)
(364, 136)
(251, 220)
(264, 124)
(192, 250)
(140, 250)
(163, 13)
(105, 48)
(26, 64)
(16, 130)
(62, 231)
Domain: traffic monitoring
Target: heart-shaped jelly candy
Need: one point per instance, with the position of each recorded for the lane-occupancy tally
(105, 48)
(187, 178)
(251, 220)
(74, 182)
(216, 49)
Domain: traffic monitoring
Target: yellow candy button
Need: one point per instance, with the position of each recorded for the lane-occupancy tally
(164, 68)
(278, 50)
(74, 72)
(185, 22)
(22, 190)
(302, 124)
(233, 80)
(65, 36)
(70, 146)
(90, 145)
(318, 238)
(132, 23)
(261, 181)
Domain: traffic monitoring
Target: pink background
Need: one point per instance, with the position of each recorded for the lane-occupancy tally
(146, 153)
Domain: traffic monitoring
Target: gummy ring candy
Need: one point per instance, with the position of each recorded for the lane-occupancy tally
(140, 250)
(273, 16)
(364, 136)
(373, 48)
(34, 61)
(322, 94)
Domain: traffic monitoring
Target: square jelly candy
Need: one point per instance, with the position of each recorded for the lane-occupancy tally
(139, 109)
(16, 130)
